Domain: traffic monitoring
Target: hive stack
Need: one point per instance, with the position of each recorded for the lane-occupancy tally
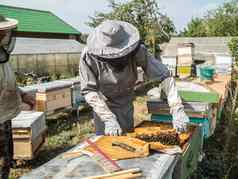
(201, 107)
(185, 53)
(53, 96)
(223, 64)
(28, 130)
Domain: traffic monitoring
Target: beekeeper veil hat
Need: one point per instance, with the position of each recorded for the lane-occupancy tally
(113, 39)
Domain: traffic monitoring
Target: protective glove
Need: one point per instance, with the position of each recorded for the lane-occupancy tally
(180, 119)
(112, 128)
(97, 102)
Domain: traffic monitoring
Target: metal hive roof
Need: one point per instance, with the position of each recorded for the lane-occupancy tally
(46, 46)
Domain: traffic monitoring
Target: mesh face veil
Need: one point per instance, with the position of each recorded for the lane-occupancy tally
(7, 45)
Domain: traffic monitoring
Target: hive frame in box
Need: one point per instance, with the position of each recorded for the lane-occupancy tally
(199, 126)
(198, 112)
(188, 160)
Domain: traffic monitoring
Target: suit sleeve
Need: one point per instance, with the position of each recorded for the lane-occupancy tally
(89, 88)
(87, 73)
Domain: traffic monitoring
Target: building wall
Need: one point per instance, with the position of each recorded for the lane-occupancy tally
(46, 63)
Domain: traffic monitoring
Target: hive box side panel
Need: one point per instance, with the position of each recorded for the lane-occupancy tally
(54, 100)
(25, 148)
(58, 99)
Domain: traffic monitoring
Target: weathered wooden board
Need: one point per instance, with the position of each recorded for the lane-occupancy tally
(25, 148)
(117, 153)
(53, 100)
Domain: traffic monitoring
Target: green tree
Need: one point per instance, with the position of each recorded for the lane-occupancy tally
(154, 27)
(233, 45)
(195, 28)
(222, 21)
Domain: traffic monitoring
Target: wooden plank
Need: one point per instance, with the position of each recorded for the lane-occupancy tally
(131, 173)
(72, 154)
(117, 153)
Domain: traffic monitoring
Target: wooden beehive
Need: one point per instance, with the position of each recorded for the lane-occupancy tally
(28, 131)
(191, 148)
(53, 96)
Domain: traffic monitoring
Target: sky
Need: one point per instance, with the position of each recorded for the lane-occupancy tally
(77, 12)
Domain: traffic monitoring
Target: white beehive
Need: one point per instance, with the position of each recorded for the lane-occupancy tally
(28, 129)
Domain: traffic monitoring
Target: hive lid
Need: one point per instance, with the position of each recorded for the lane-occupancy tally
(192, 96)
(26, 118)
(73, 81)
(30, 120)
(54, 85)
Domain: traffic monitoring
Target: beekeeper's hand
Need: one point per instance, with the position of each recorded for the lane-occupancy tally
(112, 128)
(180, 119)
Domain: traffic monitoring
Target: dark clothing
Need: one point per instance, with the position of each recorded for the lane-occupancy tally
(6, 148)
(10, 99)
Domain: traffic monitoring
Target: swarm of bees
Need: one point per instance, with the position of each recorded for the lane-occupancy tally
(167, 137)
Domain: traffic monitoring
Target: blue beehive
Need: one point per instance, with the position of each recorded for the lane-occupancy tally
(201, 108)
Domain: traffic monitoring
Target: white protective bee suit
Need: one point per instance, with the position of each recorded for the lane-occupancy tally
(108, 72)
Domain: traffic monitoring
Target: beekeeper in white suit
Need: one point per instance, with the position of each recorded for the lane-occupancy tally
(10, 95)
(108, 72)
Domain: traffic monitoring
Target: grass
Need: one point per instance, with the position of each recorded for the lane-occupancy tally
(220, 162)
(221, 149)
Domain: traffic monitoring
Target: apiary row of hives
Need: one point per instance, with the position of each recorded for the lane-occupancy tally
(201, 104)
(29, 126)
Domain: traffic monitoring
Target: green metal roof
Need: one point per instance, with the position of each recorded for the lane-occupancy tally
(37, 21)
